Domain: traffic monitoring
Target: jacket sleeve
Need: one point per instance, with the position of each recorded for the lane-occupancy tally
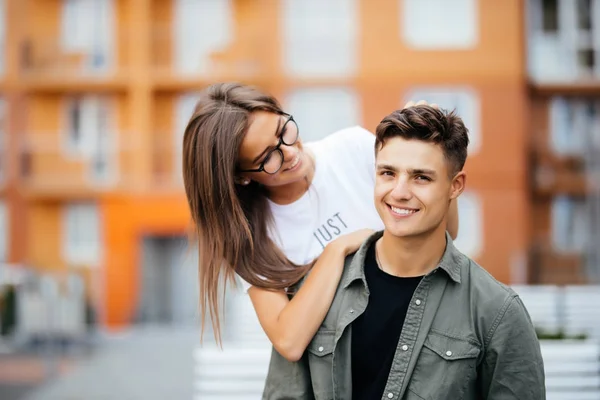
(512, 367)
(288, 380)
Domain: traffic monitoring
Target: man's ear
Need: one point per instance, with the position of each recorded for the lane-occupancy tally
(458, 184)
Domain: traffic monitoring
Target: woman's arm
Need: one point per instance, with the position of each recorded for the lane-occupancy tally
(291, 324)
(452, 221)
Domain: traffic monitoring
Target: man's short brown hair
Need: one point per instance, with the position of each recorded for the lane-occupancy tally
(428, 124)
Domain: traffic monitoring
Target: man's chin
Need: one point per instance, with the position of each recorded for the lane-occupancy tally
(401, 233)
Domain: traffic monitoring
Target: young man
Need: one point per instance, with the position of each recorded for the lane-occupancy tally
(413, 317)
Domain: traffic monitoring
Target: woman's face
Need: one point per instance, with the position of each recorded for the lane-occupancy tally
(256, 151)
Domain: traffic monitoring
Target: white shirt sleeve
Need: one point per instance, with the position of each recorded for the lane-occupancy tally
(245, 285)
(364, 147)
(358, 144)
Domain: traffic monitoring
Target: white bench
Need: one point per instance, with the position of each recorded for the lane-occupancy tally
(45, 312)
(582, 310)
(543, 302)
(234, 372)
(572, 369)
(238, 371)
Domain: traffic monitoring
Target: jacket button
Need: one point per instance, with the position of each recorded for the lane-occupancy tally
(390, 395)
(448, 353)
(320, 348)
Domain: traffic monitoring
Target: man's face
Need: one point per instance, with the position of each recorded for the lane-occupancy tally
(413, 188)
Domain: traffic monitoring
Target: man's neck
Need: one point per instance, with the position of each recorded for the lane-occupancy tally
(411, 256)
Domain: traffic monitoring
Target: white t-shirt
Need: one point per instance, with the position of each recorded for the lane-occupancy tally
(339, 200)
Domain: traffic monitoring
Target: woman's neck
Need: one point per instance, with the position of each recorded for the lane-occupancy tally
(287, 194)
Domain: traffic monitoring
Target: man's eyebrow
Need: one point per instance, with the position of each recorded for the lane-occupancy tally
(411, 171)
(422, 171)
(268, 148)
(388, 167)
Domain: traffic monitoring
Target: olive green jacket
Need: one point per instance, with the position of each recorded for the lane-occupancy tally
(466, 336)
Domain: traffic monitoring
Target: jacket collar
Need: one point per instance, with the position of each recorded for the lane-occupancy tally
(451, 261)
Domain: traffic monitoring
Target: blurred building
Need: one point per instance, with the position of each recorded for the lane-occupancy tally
(96, 94)
(563, 39)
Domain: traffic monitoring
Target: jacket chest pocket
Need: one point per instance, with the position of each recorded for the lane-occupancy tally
(445, 367)
(320, 359)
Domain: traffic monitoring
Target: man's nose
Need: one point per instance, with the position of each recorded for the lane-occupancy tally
(402, 190)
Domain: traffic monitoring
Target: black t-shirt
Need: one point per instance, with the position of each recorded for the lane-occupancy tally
(376, 332)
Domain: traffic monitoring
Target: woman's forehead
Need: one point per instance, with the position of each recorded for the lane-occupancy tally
(262, 132)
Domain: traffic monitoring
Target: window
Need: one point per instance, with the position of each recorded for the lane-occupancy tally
(89, 135)
(470, 224)
(84, 116)
(103, 162)
(320, 37)
(202, 27)
(87, 28)
(570, 224)
(439, 24)
(573, 125)
(563, 39)
(81, 230)
(550, 15)
(322, 111)
(464, 100)
(4, 234)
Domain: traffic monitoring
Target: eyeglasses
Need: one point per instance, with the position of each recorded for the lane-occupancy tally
(273, 161)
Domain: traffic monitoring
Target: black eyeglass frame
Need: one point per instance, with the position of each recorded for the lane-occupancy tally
(261, 167)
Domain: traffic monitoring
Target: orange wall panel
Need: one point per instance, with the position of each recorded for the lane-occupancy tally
(499, 50)
(123, 34)
(45, 236)
(505, 216)
(162, 34)
(45, 114)
(44, 19)
(126, 219)
(163, 141)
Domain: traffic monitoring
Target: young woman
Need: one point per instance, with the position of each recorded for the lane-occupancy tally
(266, 206)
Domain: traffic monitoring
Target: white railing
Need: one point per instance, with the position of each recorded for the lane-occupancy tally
(47, 308)
(572, 366)
(572, 369)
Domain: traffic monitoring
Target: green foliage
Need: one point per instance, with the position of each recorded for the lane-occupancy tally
(558, 335)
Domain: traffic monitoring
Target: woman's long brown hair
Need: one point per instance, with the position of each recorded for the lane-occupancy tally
(231, 221)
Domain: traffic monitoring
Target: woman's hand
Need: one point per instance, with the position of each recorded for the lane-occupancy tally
(350, 242)
(291, 324)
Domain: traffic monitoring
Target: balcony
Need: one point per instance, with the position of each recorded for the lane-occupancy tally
(550, 266)
(562, 48)
(559, 174)
(565, 145)
(178, 61)
(47, 64)
(166, 164)
(51, 167)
